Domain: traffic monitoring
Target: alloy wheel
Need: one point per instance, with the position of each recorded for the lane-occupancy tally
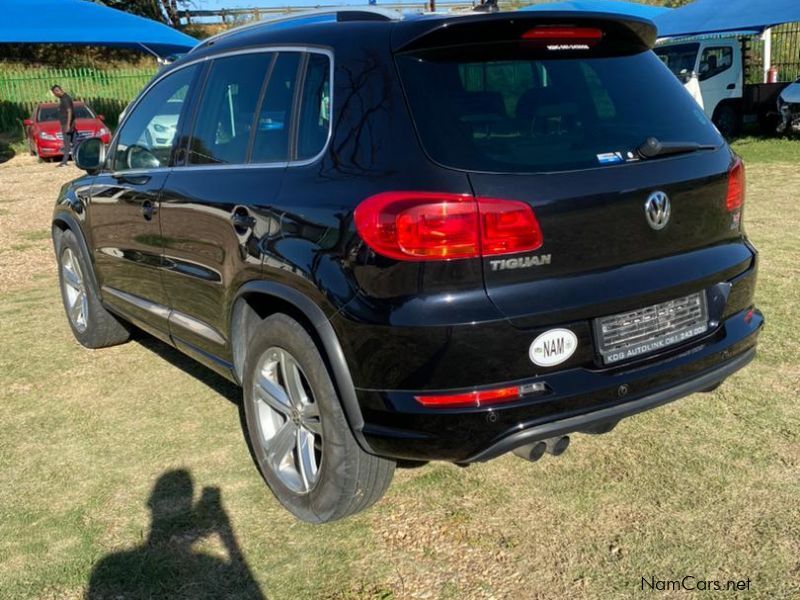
(75, 290)
(290, 429)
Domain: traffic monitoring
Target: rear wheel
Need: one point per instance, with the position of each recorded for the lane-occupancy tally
(297, 430)
(92, 325)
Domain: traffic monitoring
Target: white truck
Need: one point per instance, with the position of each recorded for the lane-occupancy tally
(717, 65)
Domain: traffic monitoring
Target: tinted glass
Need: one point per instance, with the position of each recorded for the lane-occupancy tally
(315, 107)
(225, 116)
(679, 58)
(145, 139)
(50, 113)
(272, 129)
(547, 115)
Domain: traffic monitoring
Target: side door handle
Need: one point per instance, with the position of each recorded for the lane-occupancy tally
(148, 210)
(731, 86)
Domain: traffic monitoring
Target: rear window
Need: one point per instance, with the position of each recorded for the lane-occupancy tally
(544, 115)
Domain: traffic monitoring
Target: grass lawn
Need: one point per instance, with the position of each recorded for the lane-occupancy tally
(124, 474)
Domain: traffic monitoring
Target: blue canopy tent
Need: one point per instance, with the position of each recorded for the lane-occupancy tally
(604, 6)
(88, 24)
(717, 16)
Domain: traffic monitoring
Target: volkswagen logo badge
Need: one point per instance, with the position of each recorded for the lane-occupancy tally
(657, 210)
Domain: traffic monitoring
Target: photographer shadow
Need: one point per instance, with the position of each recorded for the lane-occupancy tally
(167, 565)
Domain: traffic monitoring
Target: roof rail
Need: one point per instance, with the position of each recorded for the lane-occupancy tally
(361, 13)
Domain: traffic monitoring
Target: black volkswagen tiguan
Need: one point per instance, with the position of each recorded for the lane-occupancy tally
(417, 238)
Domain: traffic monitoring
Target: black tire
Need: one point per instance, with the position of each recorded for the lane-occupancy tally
(99, 328)
(727, 120)
(348, 480)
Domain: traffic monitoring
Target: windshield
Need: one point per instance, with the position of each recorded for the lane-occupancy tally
(547, 115)
(679, 58)
(50, 113)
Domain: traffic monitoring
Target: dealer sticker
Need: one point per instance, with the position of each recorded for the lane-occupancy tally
(553, 347)
(610, 158)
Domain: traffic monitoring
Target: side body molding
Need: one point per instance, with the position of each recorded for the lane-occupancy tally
(334, 356)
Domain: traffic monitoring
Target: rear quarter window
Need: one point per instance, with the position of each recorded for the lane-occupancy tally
(542, 115)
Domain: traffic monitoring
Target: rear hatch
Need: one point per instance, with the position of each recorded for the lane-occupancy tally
(553, 111)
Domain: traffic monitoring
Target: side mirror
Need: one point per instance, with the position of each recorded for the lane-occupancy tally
(101, 117)
(140, 157)
(27, 122)
(90, 155)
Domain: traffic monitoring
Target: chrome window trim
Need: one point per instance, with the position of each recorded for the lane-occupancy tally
(261, 49)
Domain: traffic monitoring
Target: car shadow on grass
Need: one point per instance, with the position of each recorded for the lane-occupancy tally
(167, 564)
(218, 383)
(176, 358)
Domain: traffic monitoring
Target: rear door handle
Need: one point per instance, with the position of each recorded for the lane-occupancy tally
(731, 86)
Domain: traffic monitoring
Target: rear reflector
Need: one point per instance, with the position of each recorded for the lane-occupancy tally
(415, 226)
(736, 183)
(478, 398)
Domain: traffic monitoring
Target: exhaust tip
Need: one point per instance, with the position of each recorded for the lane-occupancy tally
(531, 452)
(557, 446)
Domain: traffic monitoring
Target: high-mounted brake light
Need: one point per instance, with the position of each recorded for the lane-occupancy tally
(415, 226)
(564, 35)
(736, 183)
(477, 398)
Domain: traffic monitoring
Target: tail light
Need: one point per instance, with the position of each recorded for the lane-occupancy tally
(476, 399)
(439, 226)
(736, 183)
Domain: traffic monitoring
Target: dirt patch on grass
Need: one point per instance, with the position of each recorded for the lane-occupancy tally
(28, 191)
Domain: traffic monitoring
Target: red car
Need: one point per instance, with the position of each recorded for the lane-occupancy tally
(44, 129)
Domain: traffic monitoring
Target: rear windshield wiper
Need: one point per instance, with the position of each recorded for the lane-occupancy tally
(653, 147)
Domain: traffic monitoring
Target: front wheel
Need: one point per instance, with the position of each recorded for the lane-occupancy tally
(297, 430)
(92, 325)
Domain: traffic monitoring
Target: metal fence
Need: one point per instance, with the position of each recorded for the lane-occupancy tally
(106, 91)
(785, 54)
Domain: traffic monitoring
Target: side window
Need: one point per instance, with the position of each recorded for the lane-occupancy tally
(226, 109)
(272, 127)
(315, 107)
(146, 138)
(715, 60)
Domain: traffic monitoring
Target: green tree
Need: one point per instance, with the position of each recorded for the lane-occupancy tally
(165, 11)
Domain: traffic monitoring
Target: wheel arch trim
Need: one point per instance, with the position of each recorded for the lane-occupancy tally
(324, 331)
(64, 221)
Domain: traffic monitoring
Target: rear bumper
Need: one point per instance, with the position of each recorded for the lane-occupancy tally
(606, 418)
(392, 364)
(576, 400)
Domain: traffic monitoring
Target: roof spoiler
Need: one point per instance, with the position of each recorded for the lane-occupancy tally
(429, 34)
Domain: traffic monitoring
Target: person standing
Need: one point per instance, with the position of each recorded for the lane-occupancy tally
(66, 115)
